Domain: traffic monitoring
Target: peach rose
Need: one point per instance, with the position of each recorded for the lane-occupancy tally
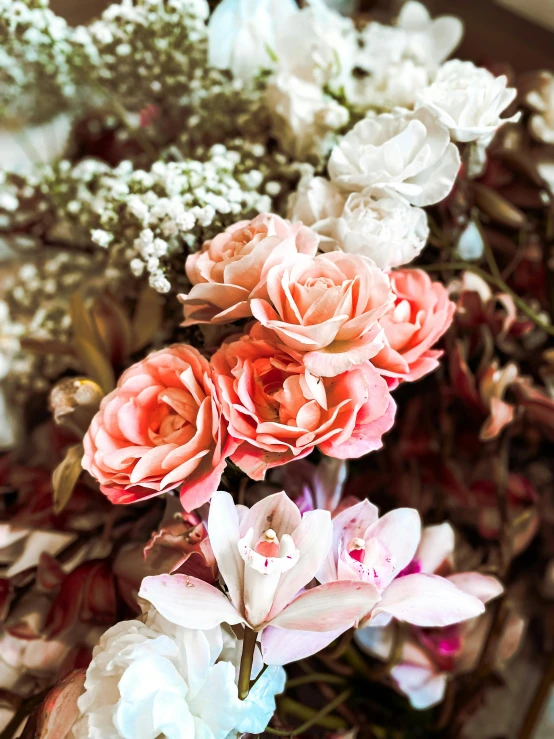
(159, 429)
(232, 267)
(421, 314)
(281, 411)
(328, 308)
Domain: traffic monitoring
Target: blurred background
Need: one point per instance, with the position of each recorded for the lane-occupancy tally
(517, 31)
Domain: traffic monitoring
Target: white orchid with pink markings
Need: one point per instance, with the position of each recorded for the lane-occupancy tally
(266, 555)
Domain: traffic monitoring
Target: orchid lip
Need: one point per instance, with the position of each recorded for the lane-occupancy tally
(356, 549)
(269, 555)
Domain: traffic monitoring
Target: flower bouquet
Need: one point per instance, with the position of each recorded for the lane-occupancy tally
(276, 376)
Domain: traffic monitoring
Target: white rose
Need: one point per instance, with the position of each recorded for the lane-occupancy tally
(540, 98)
(468, 100)
(315, 200)
(403, 153)
(303, 116)
(388, 230)
(241, 34)
(156, 679)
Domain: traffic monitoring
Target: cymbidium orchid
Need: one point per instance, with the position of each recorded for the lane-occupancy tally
(430, 656)
(266, 555)
(381, 551)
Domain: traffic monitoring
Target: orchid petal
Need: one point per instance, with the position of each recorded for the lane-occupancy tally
(313, 540)
(189, 602)
(329, 607)
(281, 646)
(224, 533)
(427, 600)
(276, 512)
(399, 531)
(436, 547)
(484, 587)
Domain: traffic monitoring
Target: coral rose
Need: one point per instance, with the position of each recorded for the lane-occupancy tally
(421, 315)
(159, 429)
(232, 267)
(281, 411)
(328, 308)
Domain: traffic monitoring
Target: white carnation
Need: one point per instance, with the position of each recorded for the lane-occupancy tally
(157, 680)
(303, 116)
(403, 153)
(469, 100)
(388, 230)
(315, 200)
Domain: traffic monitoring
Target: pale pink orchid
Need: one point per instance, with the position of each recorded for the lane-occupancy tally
(379, 551)
(431, 656)
(266, 555)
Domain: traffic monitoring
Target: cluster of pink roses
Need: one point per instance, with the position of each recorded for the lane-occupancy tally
(332, 335)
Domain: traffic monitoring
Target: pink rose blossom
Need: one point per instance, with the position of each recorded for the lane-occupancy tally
(421, 315)
(328, 308)
(233, 266)
(281, 411)
(159, 429)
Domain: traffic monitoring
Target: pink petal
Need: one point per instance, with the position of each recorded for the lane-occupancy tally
(484, 587)
(427, 600)
(423, 687)
(435, 548)
(399, 531)
(224, 533)
(189, 602)
(281, 646)
(329, 607)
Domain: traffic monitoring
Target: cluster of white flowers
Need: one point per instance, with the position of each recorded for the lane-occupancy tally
(39, 65)
(151, 219)
(36, 308)
(325, 73)
(147, 50)
(154, 678)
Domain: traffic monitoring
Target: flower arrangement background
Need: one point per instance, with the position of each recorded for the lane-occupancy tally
(276, 361)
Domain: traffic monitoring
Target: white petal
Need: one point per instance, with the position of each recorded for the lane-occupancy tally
(276, 512)
(189, 602)
(313, 541)
(223, 530)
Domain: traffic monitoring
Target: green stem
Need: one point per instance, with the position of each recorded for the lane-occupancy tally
(499, 283)
(316, 718)
(247, 657)
(316, 677)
